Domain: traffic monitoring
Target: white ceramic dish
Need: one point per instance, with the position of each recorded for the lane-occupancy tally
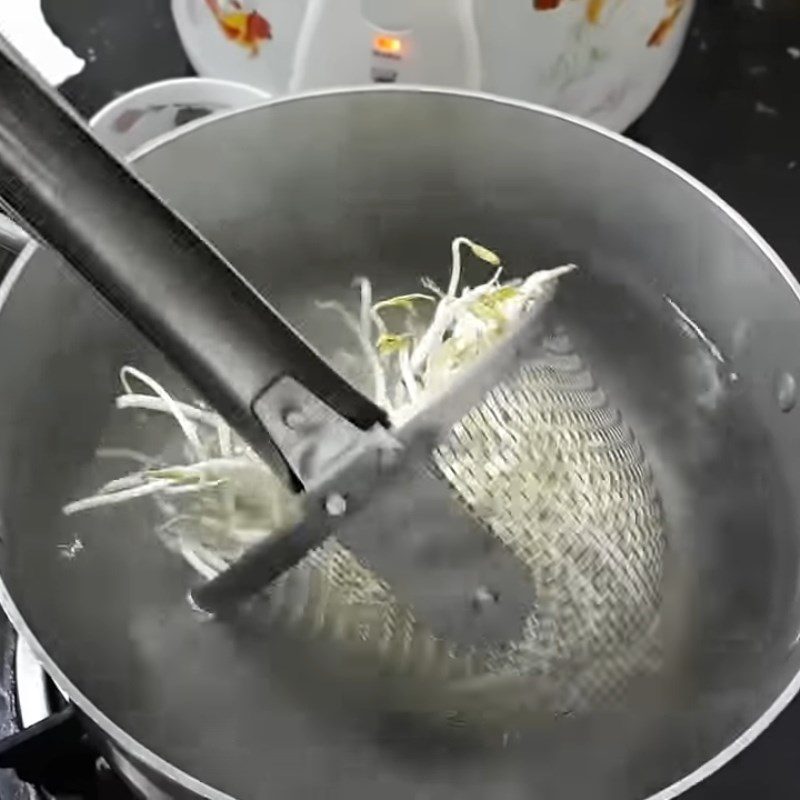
(601, 59)
(133, 119)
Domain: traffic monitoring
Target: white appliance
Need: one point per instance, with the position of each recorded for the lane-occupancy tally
(601, 59)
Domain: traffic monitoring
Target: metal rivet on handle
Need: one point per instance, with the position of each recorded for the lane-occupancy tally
(335, 505)
(293, 419)
(483, 598)
(786, 391)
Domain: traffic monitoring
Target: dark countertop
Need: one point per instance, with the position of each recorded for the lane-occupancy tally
(729, 114)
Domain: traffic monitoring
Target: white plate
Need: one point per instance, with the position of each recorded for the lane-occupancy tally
(133, 119)
(600, 59)
(213, 54)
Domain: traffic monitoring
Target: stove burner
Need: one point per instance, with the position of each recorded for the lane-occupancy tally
(51, 749)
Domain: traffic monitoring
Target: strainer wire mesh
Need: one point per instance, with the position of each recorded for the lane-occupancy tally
(547, 463)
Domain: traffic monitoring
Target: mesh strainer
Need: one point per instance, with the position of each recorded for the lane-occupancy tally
(547, 463)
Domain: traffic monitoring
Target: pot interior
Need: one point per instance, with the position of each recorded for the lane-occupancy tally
(682, 315)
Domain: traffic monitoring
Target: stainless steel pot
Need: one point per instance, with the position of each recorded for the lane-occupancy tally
(687, 318)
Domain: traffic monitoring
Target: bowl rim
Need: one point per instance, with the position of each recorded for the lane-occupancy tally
(258, 95)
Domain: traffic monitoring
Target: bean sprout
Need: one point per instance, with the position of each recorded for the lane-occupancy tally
(226, 498)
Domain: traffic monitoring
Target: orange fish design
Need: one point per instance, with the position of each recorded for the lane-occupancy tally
(594, 9)
(246, 28)
(659, 35)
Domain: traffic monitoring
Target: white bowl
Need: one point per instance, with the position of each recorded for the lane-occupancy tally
(137, 117)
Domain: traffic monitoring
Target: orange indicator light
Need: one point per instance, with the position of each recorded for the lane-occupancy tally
(388, 45)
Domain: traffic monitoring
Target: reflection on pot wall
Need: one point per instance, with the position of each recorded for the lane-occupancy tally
(601, 59)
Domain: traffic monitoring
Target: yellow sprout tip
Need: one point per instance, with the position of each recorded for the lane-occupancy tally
(389, 343)
(485, 254)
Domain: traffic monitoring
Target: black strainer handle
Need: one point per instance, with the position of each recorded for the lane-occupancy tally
(149, 264)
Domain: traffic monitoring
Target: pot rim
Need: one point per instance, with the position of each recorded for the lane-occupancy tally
(148, 757)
